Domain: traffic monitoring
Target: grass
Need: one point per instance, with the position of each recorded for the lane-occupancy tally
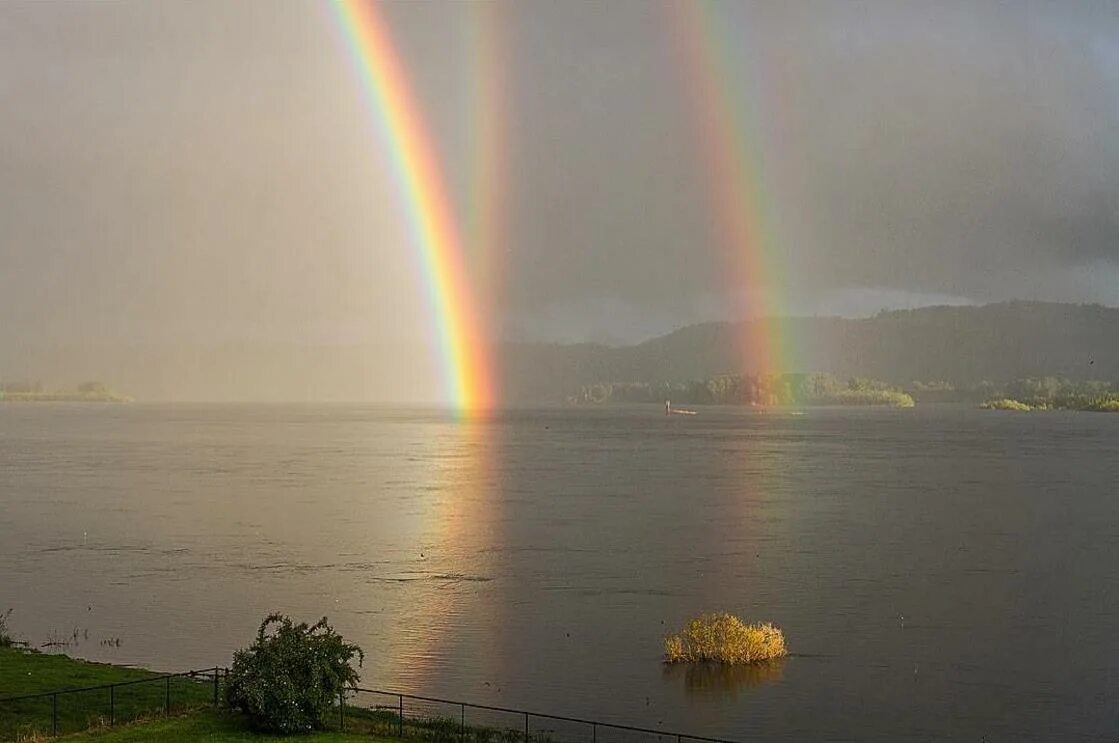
(207, 726)
(139, 709)
(724, 638)
(27, 672)
(139, 712)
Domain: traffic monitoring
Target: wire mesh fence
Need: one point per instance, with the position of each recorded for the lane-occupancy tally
(406, 717)
(412, 717)
(71, 710)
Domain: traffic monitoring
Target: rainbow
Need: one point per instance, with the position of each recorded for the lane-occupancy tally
(731, 149)
(456, 311)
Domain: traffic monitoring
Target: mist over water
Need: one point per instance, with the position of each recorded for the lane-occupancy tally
(939, 572)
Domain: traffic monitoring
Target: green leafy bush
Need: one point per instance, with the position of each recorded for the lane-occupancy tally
(288, 680)
(724, 638)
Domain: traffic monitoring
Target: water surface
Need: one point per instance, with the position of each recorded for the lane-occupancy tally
(940, 573)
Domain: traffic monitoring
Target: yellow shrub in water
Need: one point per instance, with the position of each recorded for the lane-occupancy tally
(1007, 404)
(724, 638)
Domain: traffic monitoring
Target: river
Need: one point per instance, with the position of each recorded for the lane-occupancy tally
(940, 572)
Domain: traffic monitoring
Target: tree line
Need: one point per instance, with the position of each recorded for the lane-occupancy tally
(749, 389)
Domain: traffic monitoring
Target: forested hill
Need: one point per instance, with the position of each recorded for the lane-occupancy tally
(961, 345)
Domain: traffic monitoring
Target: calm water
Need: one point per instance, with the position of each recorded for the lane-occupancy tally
(940, 573)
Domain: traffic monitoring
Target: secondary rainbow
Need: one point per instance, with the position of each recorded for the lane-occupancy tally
(455, 308)
(731, 136)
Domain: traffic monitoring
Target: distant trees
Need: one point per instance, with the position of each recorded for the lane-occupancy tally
(34, 392)
(1040, 393)
(824, 389)
(22, 388)
(94, 389)
(749, 389)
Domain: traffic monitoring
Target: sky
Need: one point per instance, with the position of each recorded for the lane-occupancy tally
(208, 172)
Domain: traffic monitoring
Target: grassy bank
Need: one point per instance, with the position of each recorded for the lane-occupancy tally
(25, 672)
(206, 726)
(139, 712)
(28, 672)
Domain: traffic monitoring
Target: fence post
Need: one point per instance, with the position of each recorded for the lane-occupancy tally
(215, 686)
(526, 727)
(594, 732)
(400, 714)
(54, 714)
(113, 705)
(462, 723)
(167, 697)
(342, 711)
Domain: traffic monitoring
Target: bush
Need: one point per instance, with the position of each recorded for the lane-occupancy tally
(724, 638)
(290, 678)
(6, 640)
(1006, 404)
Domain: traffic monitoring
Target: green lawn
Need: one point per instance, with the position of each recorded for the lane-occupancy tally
(28, 672)
(138, 708)
(24, 672)
(205, 726)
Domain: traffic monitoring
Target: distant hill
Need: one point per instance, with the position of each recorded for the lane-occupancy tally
(960, 345)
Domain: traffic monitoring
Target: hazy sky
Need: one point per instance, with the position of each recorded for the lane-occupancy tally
(209, 171)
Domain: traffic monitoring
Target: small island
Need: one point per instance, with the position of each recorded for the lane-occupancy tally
(34, 392)
(1054, 393)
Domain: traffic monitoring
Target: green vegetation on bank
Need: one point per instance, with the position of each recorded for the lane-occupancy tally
(24, 672)
(750, 389)
(30, 672)
(1005, 404)
(291, 678)
(1053, 393)
(6, 639)
(1029, 393)
(213, 725)
(34, 392)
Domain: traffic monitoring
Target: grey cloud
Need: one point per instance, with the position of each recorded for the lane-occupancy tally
(210, 170)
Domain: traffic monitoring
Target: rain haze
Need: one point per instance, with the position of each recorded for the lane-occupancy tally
(200, 175)
(599, 371)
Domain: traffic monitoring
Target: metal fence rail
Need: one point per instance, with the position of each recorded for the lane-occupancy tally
(449, 720)
(405, 716)
(71, 710)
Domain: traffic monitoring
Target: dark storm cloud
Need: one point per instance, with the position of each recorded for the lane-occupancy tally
(971, 153)
(960, 150)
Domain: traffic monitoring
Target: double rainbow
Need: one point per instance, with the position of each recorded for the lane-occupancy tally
(731, 141)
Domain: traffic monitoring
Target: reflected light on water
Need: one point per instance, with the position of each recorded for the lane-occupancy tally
(447, 612)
